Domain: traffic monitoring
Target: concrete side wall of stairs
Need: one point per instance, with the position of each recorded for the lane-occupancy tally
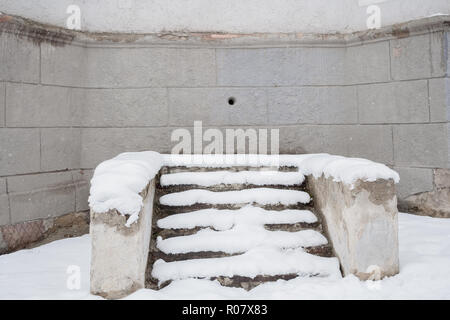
(358, 226)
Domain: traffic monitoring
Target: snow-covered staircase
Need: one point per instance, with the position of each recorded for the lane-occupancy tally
(241, 226)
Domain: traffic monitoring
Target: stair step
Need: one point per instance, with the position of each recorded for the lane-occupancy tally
(226, 219)
(214, 178)
(321, 251)
(263, 196)
(239, 239)
(226, 187)
(256, 262)
(177, 169)
(170, 210)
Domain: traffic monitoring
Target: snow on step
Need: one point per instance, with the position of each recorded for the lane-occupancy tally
(207, 179)
(239, 239)
(226, 219)
(258, 261)
(262, 196)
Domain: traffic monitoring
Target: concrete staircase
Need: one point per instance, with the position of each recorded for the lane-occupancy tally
(231, 224)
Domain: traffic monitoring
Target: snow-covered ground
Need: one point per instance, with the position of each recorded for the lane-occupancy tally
(44, 272)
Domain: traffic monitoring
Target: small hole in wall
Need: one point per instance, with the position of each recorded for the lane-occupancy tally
(231, 101)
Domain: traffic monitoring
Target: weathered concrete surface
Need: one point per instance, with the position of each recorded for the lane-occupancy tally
(361, 223)
(119, 253)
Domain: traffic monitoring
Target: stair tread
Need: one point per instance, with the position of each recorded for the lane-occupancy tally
(214, 178)
(239, 239)
(225, 219)
(258, 195)
(256, 262)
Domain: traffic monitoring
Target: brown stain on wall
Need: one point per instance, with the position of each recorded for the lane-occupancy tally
(35, 32)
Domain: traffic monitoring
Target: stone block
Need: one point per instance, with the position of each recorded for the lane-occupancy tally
(373, 142)
(19, 59)
(212, 107)
(394, 102)
(439, 99)
(41, 196)
(60, 148)
(124, 107)
(2, 104)
(40, 106)
(312, 105)
(367, 63)
(280, 66)
(4, 210)
(82, 180)
(413, 180)
(150, 67)
(19, 151)
(99, 144)
(64, 66)
(411, 58)
(421, 145)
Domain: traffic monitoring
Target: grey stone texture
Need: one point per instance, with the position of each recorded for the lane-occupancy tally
(439, 99)
(99, 144)
(312, 105)
(418, 57)
(19, 59)
(63, 65)
(82, 183)
(421, 145)
(346, 140)
(124, 107)
(2, 104)
(149, 67)
(211, 106)
(19, 151)
(398, 102)
(60, 148)
(40, 106)
(4, 203)
(40, 196)
(414, 180)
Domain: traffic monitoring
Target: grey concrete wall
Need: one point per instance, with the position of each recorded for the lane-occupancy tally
(65, 107)
(236, 16)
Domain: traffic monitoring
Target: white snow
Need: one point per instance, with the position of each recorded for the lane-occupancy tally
(41, 273)
(258, 261)
(226, 219)
(341, 169)
(208, 179)
(239, 239)
(262, 196)
(117, 183)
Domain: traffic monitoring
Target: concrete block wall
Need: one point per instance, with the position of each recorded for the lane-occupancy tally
(67, 106)
(40, 139)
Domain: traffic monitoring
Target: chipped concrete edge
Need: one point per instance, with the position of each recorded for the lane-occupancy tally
(119, 254)
(362, 224)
